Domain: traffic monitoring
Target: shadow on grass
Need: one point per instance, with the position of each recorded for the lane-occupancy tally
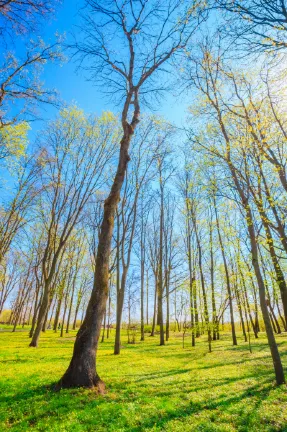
(60, 404)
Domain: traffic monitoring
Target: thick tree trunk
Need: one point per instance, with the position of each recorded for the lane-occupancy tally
(82, 369)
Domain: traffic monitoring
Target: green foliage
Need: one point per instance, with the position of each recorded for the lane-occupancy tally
(150, 388)
(13, 140)
(5, 315)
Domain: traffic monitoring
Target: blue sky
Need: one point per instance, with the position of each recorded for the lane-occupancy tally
(73, 86)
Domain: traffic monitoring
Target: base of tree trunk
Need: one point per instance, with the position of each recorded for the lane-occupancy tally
(33, 344)
(72, 380)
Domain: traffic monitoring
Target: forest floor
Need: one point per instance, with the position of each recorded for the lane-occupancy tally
(149, 388)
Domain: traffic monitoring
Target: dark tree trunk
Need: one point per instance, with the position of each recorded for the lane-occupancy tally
(82, 369)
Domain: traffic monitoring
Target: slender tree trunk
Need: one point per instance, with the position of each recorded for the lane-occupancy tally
(120, 303)
(71, 303)
(281, 316)
(52, 314)
(142, 292)
(279, 373)
(214, 314)
(239, 306)
(104, 327)
(58, 311)
(41, 317)
(205, 307)
(248, 306)
(109, 314)
(234, 339)
(167, 309)
(154, 308)
(64, 313)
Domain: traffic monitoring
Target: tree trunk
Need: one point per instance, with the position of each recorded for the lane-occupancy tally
(234, 339)
(237, 294)
(58, 311)
(154, 308)
(104, 326)
(82, 369)
(41, 318)
(142, 293)
(120, 303)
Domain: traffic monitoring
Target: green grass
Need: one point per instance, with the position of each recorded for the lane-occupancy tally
(149, 388)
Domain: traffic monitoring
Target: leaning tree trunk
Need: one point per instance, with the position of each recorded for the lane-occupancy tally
(278, 368)
(82, 369)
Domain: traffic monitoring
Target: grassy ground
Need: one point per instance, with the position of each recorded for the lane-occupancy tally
(150, 388)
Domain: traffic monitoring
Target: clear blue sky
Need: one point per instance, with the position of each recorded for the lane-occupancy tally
(73, 86)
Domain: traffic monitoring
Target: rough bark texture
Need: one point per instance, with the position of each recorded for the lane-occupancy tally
(82, 369)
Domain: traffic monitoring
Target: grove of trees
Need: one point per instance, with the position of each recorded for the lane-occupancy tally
(127, 221)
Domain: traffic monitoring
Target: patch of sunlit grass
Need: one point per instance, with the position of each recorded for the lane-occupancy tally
(150, 388)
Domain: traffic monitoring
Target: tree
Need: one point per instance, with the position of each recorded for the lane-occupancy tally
(143, 50)
(227, 147)
(21, 90)
(75, 157)
(22, 17)
(260, 23)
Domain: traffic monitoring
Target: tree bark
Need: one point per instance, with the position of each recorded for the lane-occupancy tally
(82, 369)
